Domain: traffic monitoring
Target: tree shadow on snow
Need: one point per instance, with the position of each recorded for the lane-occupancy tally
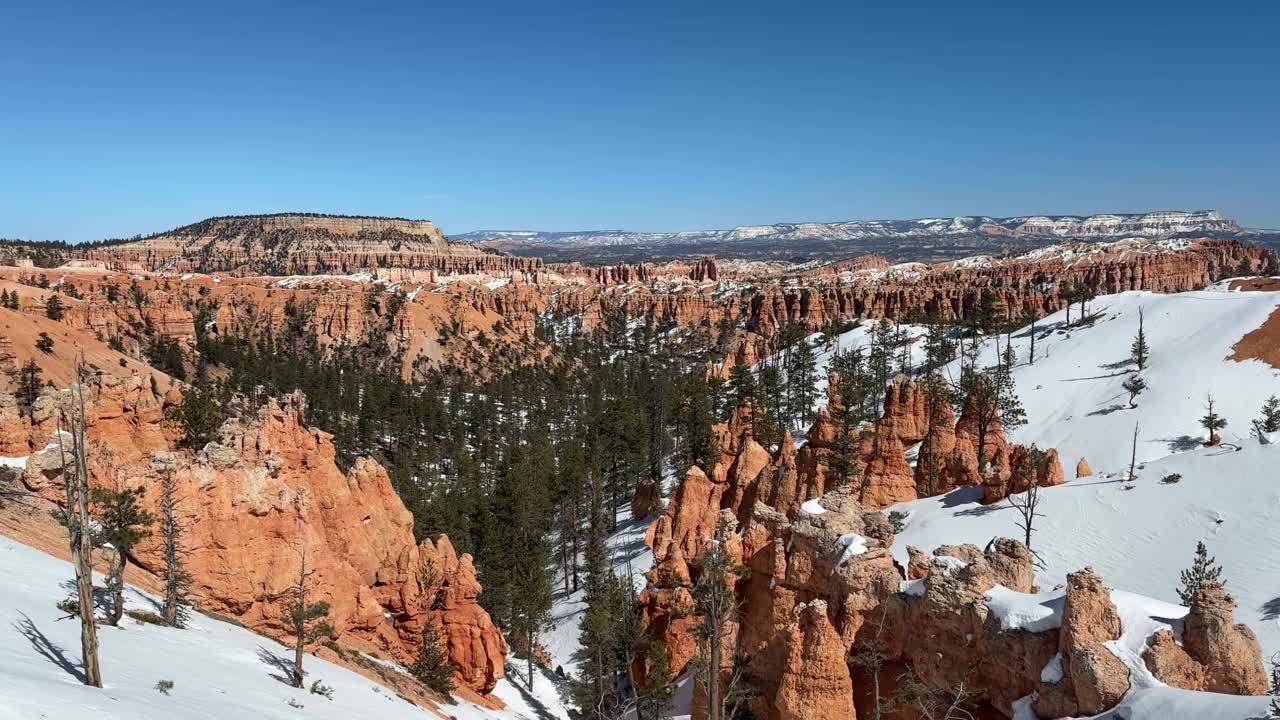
(1094, 377)
(981, 510)
(48, 649)
(534, 703)
(1117, 364)
(1271, 609)
(1109, 409)
(1182, 443)
(101, 596)
(280, 663)
(962, 496)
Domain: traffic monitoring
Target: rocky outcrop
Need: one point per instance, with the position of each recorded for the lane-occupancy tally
(253, 502)
(822, 590)
(815, 680)
(1216, 655)
(1092, 678)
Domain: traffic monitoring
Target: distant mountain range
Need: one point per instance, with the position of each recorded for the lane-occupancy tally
(922, 239)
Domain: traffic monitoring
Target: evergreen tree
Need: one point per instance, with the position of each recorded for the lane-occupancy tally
(1140, 349)
(120, 523)
(199, 417)
(431, 666)
(1009, 407)
(1134, 385)
(654, 698)
(1270, 420)
(306, 621)
(1212, 422)
(29, 381)
(801, 379)
(1203, 570)
(717, 604)
(880, 361)
(53, 308)
(939, 348)
(44, 343)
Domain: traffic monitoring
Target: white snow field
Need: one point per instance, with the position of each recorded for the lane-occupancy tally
(1139, 536)
(219, 670)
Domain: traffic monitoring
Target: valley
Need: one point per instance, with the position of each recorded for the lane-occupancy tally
(551, 471)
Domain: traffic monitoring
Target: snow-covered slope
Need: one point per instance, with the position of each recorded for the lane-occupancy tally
(219, 671)
(1139, 536)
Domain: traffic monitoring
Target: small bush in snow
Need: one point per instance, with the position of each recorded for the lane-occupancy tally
(319, 688)
(145, 617)
(1171, 478)
(897, 521)
(70, 606)
(294, 704)
(164, 686)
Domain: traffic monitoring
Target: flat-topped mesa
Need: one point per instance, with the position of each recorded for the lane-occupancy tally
(303, 244)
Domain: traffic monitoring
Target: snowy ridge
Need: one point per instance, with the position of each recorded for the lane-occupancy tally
(1151, 224)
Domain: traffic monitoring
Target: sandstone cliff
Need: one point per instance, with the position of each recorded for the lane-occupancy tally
(254, 500)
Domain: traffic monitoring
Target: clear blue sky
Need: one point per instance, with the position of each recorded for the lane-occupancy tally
(124, 118)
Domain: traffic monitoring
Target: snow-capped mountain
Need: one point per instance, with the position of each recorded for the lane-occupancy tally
(920, 239)
(1152, 224)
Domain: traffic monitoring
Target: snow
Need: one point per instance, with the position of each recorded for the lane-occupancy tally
(848, 546)
(1140, 618)
(219, 671)
(629, 555)
(1167, 703)
(1140, 536)
(495, 284)
(813, 507)
(17, 463)
(1032, 612)
(1052, 673)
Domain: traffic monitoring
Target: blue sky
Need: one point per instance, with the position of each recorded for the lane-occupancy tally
(124, 118)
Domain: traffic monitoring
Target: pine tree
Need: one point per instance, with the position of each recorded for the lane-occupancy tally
(1010, 412)
(1270, 420)
(654, 698)
(432, 666)
(717, 604)
(200, 418)
(1212, 422)
(880, 361)
(801, 381)
(1204, 569)
(53, 307)
(306, 621)
(120, 523)
(939, 348)
(44, 343)
(30, 382)
(1140, 350)
(1134, 385)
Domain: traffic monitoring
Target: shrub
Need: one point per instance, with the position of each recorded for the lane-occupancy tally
(897, 521)
(1171, 478)
(146, 617)
(164, 686)
(319, 688)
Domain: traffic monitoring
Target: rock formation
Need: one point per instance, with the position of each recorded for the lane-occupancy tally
(252, 501)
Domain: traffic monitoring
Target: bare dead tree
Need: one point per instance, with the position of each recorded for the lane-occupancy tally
(75, 475)
(1028, 503)
(1133, 454)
